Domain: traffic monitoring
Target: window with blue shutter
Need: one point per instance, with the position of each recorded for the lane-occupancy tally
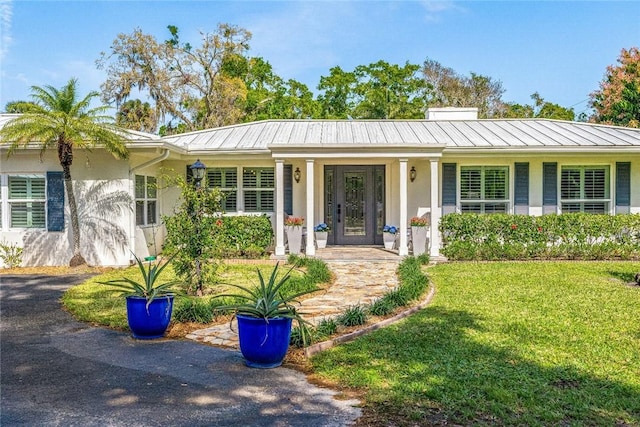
(521, 188)
(449, 188)
(288, 189)
(549, 188)
(55, 201)
(623, 187)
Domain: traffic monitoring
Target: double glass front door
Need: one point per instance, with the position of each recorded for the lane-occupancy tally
(354, 204)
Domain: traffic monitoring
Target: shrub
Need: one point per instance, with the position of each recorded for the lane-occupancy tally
(517, 237)
(244, 236)
(192, 309)
(10, 254)
(326, 328)
(354, 315)
(381, 307)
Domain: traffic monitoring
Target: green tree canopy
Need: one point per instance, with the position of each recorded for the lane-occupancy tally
(617, 101)
(540, 109)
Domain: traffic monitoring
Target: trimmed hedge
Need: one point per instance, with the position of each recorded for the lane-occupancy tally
(242, 236)
(521, 237)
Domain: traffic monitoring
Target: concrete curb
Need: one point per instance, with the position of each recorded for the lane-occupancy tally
(325, 345)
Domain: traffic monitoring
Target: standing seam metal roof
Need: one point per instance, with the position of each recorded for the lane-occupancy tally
(532, 133)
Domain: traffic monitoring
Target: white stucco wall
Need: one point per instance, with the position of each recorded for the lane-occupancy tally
(104, 207)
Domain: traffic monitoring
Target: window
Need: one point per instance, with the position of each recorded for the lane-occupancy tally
(146, 200)
(226, 180)
(585, 189)
(258, 185)
(484, 189)
(27, 200)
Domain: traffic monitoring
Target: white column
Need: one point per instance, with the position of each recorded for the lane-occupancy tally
(436, 211)
(279, 207)
(311, 247)
(403, 249)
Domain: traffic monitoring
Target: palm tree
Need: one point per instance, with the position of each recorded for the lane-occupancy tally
(56, 118)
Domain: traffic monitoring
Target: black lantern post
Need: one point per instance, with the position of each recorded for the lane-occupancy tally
(198, 169)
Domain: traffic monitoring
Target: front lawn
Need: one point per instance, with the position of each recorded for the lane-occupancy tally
(508, 343)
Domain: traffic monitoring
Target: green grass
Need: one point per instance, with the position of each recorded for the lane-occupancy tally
(528, 343)
(98, 304)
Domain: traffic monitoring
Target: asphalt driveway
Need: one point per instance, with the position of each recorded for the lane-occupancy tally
(55, 371)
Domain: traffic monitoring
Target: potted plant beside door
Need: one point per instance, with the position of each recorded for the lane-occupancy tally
(264, 316)
(322, 234)
(389, 236)
(149, 303)
(419, 228)
(293, 226)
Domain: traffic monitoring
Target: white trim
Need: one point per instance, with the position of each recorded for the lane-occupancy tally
(403, 249)
(311, 248)
(279, 249)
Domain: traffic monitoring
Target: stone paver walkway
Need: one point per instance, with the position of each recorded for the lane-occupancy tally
(356, 282)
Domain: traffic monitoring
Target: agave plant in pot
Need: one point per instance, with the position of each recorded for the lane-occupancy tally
(265, 315)
(149, 303)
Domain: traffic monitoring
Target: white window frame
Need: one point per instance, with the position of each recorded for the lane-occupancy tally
(482, 200)
(583, 200)
(7, 202)
(146, 199)
(258, 189)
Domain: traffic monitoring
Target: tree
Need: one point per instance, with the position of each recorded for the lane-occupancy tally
(617, 102)
(540, 109)
(16, 107)
(268, 95)
(447, 88)
(57, 118)
(375, 91)
(187, 84)
(386, 91)
(336, 101)
(137, 115)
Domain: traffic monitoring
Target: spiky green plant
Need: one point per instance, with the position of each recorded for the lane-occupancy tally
(267, 301)
(147, 287)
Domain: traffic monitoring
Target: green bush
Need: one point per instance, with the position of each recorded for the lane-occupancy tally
(519, 237)
(381, 307)
(242, 236)
(10, 254)
(192, 309)
(354, 315)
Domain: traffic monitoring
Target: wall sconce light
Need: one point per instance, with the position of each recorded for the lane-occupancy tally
(296, 175)
(413, 173)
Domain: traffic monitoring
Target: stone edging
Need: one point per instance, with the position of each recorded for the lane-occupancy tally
(325, 345)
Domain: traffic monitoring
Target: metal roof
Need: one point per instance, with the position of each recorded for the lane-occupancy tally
(130, 135)
(458, 134)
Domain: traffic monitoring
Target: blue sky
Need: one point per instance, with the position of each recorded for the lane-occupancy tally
(558, 48)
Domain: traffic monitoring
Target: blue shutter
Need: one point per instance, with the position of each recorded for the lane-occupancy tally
(623, 187)
(288, 189)
(449, 186)
(55, 201)
(521, 188)
(549, 187)
(189, 174)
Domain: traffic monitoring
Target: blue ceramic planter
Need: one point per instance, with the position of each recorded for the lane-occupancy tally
(152, 322)
(263, 343)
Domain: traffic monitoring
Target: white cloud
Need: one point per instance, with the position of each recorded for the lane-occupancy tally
(435, 8)
(6, 15)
